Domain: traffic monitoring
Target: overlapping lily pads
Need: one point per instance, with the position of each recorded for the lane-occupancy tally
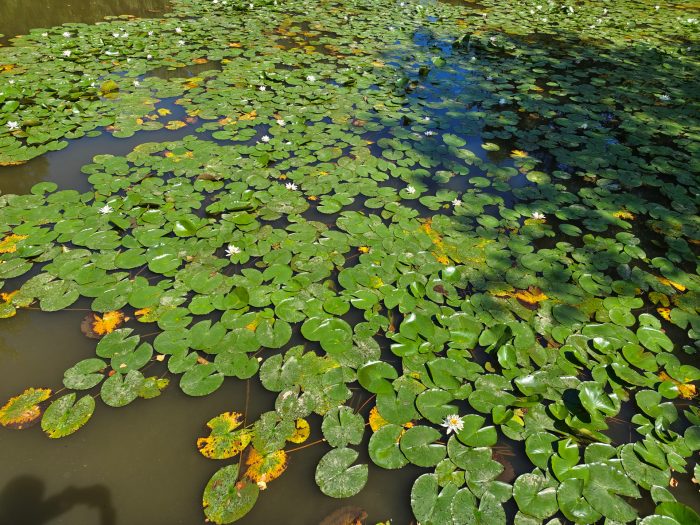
(483, 216)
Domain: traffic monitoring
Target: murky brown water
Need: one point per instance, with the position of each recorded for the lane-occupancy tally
(139, 464)
(17, 17)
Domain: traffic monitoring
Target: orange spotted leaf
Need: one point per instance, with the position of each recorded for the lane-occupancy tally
(266, 467)
(224, 441)
(9, 243)
(22, 410)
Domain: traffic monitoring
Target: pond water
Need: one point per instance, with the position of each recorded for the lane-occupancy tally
(19, 16)
(140, 465)
(448, 176)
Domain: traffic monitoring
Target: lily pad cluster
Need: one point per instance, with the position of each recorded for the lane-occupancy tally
(483, 217)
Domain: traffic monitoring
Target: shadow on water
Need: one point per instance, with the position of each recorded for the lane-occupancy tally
(23, 501)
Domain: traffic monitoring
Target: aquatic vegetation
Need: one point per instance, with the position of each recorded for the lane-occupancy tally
(484, 216)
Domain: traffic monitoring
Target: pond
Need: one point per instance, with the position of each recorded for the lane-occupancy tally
(19, 16)
(455, 241)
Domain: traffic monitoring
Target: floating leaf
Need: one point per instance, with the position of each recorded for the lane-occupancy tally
(419, 446)
(336, 478)
(535, 496)
(201, 380)
(84, 374)
(95, 326)
(302, 431)
(265, 468)
(342, 426)
(226, 499)
(119, 391)
(20, 411)
(64, 416)
(384, 448)
(223, 442)
(9, 243)
(376, 421)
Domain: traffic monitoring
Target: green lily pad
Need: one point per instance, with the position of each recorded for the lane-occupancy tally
(226, 499)
(342, 426)
(336, 477)
(65, 416)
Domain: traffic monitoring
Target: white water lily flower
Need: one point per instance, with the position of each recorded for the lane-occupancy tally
(149, 57)
(584, 125)
(290, 186)
(66, 53)
(137, 83)
(537, 215)
(262, 88)
(44, 35)
(280, 122)
(453, 423)
(232, 249)
(105, 209)
(502, 101)
(66, 34)
(410, 190)
(178, 30)
(180, 42)
(456, 202)
(310, 78)
(664, 98)
(12, 125)
(150, 33)
(115, 34)
(429, 133)
(265, 138)
(124, 35)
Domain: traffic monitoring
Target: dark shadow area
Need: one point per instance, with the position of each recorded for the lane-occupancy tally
(23, 502)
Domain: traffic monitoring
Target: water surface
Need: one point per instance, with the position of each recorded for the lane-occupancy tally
(17, 17)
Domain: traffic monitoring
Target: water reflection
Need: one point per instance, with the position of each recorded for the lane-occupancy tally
(19, 16)
(23, 502)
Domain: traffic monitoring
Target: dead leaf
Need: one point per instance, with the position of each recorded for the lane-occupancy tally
(9, 243)
(94, 326)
